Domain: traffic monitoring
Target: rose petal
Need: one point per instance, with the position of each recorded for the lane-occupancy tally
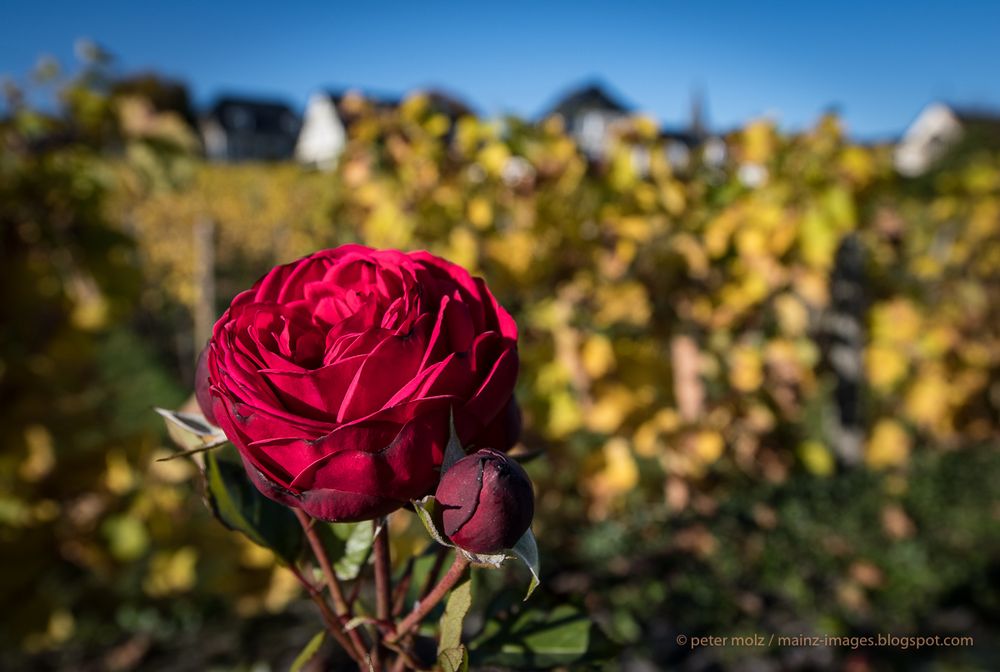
(318, 393)
(389, 366)
(406, 468)
(337, 506)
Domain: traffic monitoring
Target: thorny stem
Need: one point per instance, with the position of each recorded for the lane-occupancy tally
(424, 606)
(339, 603)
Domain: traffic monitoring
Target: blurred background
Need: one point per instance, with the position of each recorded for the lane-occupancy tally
(754, 254)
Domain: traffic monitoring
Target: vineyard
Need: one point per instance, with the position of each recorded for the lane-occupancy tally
(761, 396)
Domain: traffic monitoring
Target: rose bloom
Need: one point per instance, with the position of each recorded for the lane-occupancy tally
(335, 377)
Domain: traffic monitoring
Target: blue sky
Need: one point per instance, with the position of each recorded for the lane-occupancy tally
(877, 62)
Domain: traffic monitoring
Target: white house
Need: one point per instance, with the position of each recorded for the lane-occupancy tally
(323, 133)
(329, 116)
(939, 128)
(589, 114)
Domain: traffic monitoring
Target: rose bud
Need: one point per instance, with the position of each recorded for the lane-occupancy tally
(486, 501)
(202, 387)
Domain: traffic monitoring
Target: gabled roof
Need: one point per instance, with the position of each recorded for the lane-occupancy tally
(378, 100)
(979, 117)
(440, 101)
(588, 97)
(688, 138)
(261, 115)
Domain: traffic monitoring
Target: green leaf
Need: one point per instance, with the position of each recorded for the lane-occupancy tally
(427, 511)
(534, 639)
(459, 602)
(241, 507)
(308, 652)
(454, 660)
(527, 550)
(356, 540)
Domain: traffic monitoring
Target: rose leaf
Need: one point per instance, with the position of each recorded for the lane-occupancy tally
(459, 602)
(427, 511)
(526, 549)
(351, 549)
(454, 660)
(241, 507)
(308, 652)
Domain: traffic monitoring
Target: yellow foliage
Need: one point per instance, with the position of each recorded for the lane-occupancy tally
(171, 572)
(817, 458)
(746, 372)
(617, 475)
(926, 400)
(708, 446)
(41, 457)
(647, 438)
(889, 445)
(621, 303)
(793, 317)
(480, 212)
(610, 409)
(598, 356)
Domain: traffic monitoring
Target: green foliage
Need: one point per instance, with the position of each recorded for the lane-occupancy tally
(308, 652)
(241, 507)
(450, 626)
(536, 639)
(348, 546)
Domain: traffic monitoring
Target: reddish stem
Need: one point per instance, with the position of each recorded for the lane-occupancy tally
(329, 619)
(424, 606)
(435, 572)
(383, 587)
(402, 588)
(339, 603)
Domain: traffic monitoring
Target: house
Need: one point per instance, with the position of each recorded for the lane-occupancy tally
(330, 114)
(589, 115)
(247, 129)
(940, 129)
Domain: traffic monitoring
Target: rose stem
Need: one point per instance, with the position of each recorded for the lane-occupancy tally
(403, 587)
(425, 605)
(404, 660)
(383, 585)
(331, 621)
(339, 604)
(432, 576)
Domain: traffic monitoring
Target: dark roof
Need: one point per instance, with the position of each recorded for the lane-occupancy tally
(440, 101)
(262, 115)
(449, 104)
(588, 97)
(163, 93)
(688, 138)
(378, 100)
(981, 117)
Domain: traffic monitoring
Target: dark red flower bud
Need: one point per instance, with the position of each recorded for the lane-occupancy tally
(486, 501)
(201, 387)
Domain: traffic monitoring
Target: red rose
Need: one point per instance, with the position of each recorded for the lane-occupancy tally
(335, 377)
